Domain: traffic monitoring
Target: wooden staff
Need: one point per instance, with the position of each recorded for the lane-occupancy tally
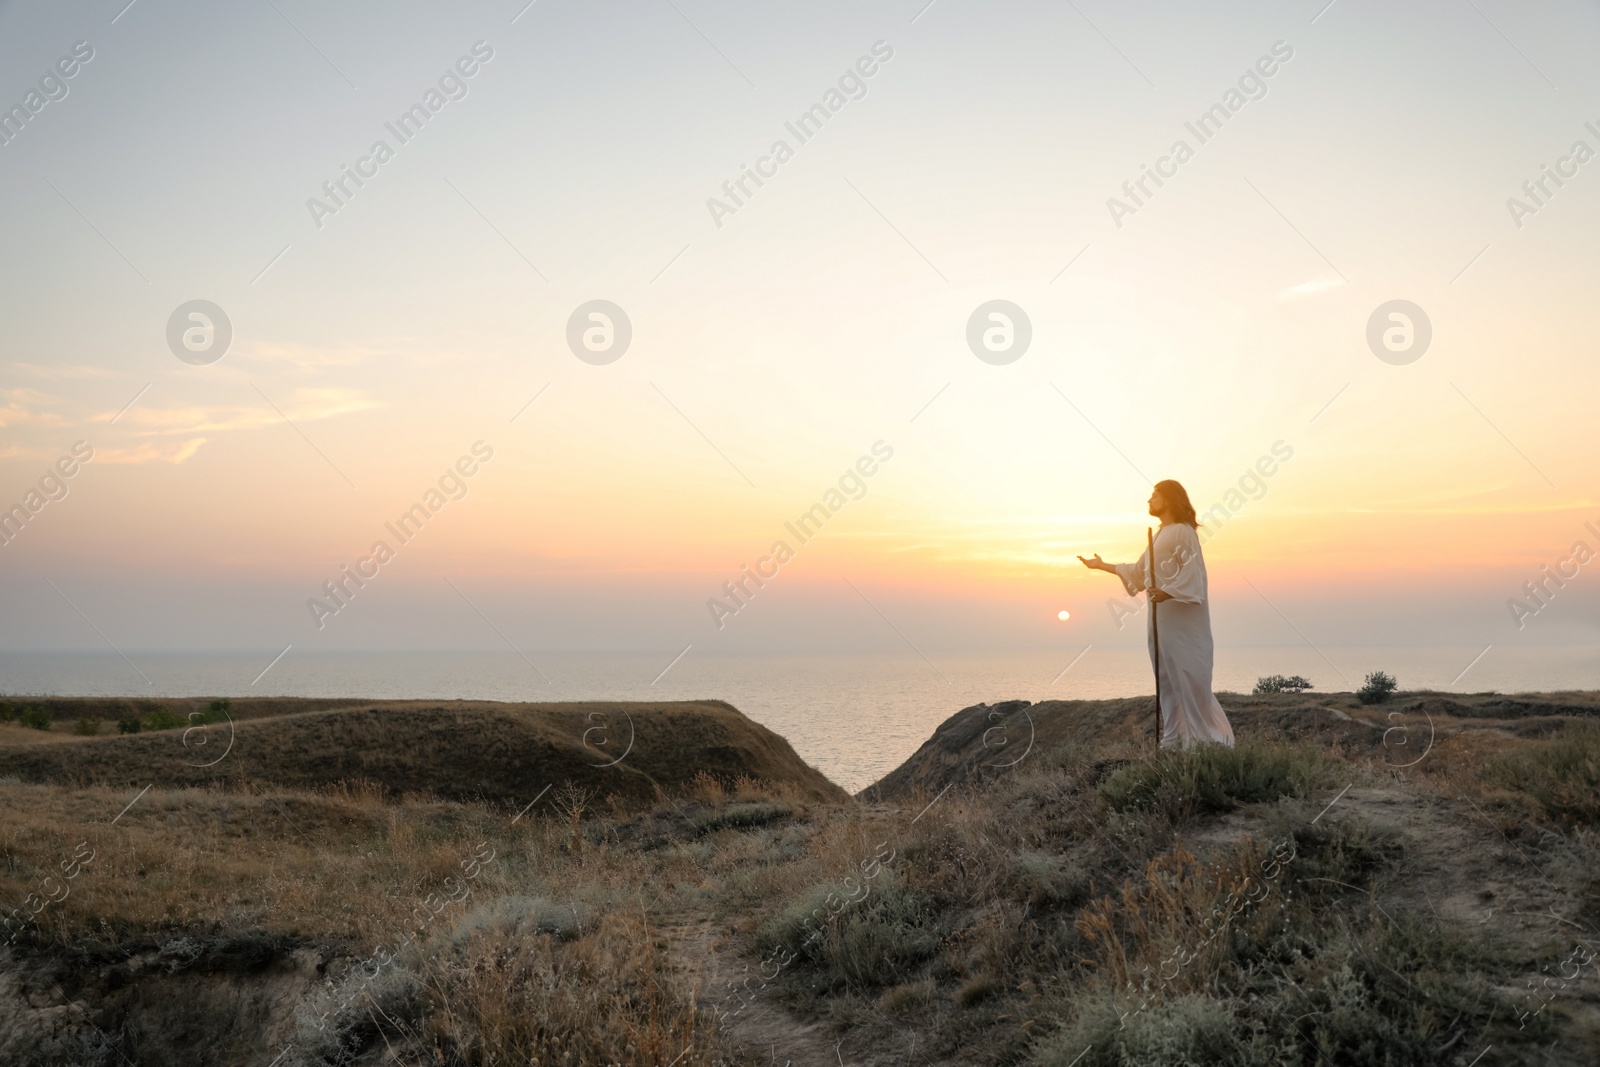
(1155, 630)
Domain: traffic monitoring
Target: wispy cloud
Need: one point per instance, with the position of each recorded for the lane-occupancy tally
(26, 407)
(306, 405)
(151, 452)
(1315, 287)
(312, 356)
(65, 371)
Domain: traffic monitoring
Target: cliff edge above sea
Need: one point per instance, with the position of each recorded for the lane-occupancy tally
(988, 739)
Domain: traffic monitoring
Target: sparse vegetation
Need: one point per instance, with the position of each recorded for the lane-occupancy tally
(37, 718)
(162, 719)
(503, 990)
(1562, 774)
(1376, 688)
(1277, 683)
(1364, 988)
(1214, 778)
(1291, 900)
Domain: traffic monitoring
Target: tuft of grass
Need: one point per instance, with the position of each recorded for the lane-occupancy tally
(856, 940)
(497, 988)
(1213, 778)
(906, 997)
(740, 817)
(707, 788)
(976, 990)
(1044, 878)
(1561, 773)
(1351, 851)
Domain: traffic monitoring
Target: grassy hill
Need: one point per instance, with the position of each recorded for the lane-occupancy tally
(985, 740)
(1413, 883)
(635, 752)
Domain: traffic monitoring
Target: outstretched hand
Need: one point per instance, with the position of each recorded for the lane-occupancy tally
(1096, 564)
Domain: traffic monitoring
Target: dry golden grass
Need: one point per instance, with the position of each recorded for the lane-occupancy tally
(512, 995)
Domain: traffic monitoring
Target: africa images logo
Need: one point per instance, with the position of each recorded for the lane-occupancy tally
(452, 86)
(852, 85)
(1252, 85)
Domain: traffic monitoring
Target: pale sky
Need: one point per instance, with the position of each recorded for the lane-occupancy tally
(774, 345)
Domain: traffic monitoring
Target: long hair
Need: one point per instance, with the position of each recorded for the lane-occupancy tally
(1177, 497)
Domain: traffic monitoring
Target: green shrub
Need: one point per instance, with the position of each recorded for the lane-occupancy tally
(128, 726)
(86, 727)
(1185, 1031)
(216, 711)
(7, 713)
(1376, 688)
(1212, 778)
(1277, 683)
(162, 719)
(1386, 994)
(37, 717)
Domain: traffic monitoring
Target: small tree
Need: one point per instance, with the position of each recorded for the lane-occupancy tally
(1377, 688)
(128, 726)
(1277, 683)
(574, 799)
(37, 717)
(86, 727)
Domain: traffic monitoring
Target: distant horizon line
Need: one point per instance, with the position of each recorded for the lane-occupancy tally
(651, 651)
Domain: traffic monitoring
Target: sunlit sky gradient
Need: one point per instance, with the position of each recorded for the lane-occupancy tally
(828, 313)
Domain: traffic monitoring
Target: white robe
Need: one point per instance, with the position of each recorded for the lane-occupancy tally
(1190, 714)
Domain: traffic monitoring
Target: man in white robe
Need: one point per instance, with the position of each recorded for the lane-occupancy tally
(1190, 714)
